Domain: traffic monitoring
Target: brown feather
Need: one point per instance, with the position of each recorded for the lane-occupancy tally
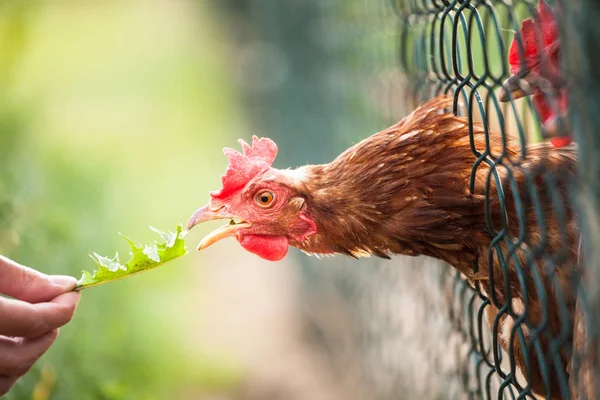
(406, 190)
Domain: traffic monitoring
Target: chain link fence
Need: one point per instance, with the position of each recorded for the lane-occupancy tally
(518, 339)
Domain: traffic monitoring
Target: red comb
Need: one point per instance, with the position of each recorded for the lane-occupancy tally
(243, 167)
(544, 24)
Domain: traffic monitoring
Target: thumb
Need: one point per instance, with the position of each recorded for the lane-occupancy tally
(64, 282)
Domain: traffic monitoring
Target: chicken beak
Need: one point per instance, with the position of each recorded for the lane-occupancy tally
(515, 87)
(205, 214)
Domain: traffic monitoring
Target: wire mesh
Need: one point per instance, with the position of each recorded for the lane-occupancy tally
(517, 323)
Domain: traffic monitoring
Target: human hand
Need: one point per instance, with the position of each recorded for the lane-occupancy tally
(29, 321)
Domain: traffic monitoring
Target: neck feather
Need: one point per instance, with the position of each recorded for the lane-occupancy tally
(404, 190)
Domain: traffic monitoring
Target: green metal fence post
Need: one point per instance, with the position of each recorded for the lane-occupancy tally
(581, 35)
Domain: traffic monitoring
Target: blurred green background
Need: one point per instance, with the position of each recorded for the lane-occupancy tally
(112, 117)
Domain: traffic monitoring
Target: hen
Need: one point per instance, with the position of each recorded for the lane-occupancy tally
(410, 190)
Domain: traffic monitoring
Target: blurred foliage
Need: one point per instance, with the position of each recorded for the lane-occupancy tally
(111, 113)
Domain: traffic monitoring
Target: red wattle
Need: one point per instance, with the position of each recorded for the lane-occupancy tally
(272, 248)
(561, 141)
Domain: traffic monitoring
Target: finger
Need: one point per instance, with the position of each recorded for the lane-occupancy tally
(17, 356)
(30, 285)
(6, 382)
(22, 319)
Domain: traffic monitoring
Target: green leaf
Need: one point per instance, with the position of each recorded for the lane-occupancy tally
(142, 259)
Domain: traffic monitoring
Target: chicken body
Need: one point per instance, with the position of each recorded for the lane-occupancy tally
(406, 190)
(411, 190)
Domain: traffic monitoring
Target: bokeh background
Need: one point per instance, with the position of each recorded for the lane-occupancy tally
(113, 115)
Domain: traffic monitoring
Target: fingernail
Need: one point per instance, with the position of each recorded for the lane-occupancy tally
(66, 282)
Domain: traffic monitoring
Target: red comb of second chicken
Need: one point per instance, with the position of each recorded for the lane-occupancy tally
(243, 167)
(546, 26)
(534, 59)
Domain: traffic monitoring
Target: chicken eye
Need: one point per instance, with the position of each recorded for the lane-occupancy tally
(265, 198)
